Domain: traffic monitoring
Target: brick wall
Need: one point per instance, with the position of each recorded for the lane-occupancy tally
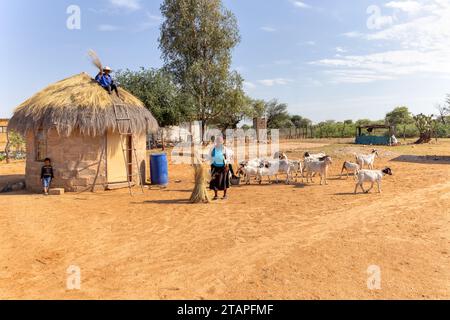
(77, 160)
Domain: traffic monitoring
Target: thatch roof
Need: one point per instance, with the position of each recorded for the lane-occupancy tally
(80, 103)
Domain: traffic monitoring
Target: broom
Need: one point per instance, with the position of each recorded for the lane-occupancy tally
(200, 193)
(95, 59)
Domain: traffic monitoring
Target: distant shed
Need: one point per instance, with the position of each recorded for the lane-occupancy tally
(379, 134)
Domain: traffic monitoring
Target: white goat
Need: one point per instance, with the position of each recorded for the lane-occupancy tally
(275, 168)
(248, 172)
(318, 166)
(371, 176)
(250, 169)
(367, 159)
(296, 167)
(350, 167)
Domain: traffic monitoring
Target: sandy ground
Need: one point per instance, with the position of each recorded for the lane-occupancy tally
(265, 242)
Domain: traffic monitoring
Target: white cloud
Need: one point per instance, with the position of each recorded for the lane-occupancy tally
(406, 6)
(274, 82)
(340, 50)
(150, 22)
(108, 28)
(421, 42)
(126, 4)
(300, 4)
(268, 29)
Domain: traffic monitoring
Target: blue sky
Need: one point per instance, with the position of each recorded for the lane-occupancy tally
(327, 59)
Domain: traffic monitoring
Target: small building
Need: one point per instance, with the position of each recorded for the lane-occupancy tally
(374, 135)
(3, 133)
(73, 122)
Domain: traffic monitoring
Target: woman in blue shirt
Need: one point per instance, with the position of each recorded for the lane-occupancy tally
(219, 169)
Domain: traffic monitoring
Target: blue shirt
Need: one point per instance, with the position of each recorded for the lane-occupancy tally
(104, 80)
(217, 157)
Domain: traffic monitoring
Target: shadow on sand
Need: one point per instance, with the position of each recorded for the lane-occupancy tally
(423, 159)
(174, 201)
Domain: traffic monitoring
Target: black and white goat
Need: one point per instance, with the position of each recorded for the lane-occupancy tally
(372, 176)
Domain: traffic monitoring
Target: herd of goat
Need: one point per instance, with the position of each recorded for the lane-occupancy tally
(312, 165)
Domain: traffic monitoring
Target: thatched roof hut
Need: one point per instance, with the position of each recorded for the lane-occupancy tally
(79, 103)
(73, 122)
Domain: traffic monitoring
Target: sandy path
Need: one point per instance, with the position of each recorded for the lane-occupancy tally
(277, 241)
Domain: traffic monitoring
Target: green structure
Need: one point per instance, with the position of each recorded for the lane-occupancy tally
(380, 135)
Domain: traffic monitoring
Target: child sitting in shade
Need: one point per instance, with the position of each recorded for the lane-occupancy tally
(47, 175)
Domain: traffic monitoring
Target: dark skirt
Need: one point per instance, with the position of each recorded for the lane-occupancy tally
(220, 178)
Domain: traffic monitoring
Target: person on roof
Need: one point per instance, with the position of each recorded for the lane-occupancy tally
(106, 81)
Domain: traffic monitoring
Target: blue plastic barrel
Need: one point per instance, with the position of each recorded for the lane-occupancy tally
(159, 169)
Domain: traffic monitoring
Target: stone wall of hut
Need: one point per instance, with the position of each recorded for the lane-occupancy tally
(79, 161)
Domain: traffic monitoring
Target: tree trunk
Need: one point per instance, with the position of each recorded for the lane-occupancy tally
(203, 131)
(7, 148)
(162, 140)
(424, 138)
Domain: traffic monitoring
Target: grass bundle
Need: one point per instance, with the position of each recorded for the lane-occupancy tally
(95, 59)
(200, 193)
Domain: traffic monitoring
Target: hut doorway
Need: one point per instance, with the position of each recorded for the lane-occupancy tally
(116, 164)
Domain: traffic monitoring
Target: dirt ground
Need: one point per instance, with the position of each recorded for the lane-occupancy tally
(266, 242)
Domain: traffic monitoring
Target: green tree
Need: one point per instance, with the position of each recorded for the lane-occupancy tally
(400, 116)
(257, 108)
(346, 124)
(297, 121)
(197, 37)
(277, 115)
(235, 104)
(157, 90)
(16, 140)
(425, 125)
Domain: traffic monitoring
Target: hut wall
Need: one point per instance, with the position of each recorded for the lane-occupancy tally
(140, 143)
(76, 161)
(79, 161)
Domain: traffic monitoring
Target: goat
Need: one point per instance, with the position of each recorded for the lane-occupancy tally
(367, 159)
(274, 168)
(314, 156)
(318, 166)
(350, 167)
(250, 169)
(371, 176)
(248, 172)
(296, 167)
(269, 169)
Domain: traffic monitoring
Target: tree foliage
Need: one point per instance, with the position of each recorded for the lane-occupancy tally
(277, 115)
(235, 104)
(197, 37)
(157, 90)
